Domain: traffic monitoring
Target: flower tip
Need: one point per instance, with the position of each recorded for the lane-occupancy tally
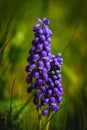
(39, 20)
(45, 21)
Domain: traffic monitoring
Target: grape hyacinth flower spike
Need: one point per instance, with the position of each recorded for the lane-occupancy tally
(44, 70)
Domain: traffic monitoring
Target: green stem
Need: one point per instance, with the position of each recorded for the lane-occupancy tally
(39, 120)
(48, 122)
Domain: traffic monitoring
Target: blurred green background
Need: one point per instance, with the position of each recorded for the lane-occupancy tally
(69, 24)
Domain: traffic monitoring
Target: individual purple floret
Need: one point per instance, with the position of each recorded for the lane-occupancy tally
(44, 70)
(45, 112)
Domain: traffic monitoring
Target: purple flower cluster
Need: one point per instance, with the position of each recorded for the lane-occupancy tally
(44, 70)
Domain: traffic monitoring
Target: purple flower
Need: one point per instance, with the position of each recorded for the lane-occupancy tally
(35, 41)
(52, 100)
(45, 112)
(54, 107)
(39, 20)
(46, 101)
(29, 89)
(36, 75)
(44, 70)
(36, 27)
(43, 89)
(55, 90)
(45, 21)
(49, 92)
(40, 64)
(44, 54)
(35, 57)
(40, 47)
(40, 82)
(42, 38)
